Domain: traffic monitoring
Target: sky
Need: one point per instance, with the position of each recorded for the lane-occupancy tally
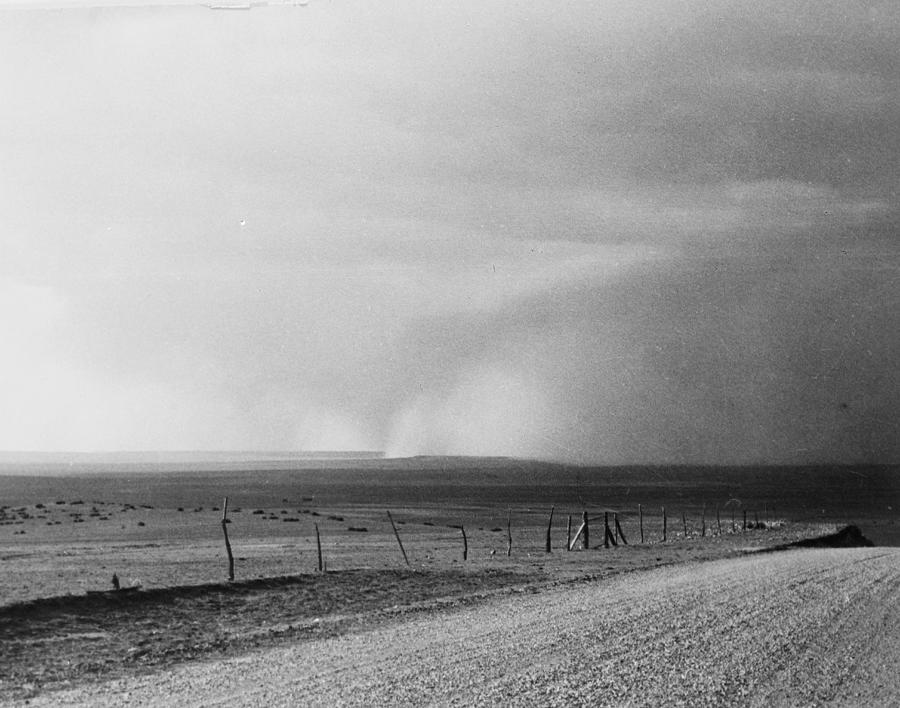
(598, 232)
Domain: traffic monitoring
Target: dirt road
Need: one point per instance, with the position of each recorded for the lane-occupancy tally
(802, 627)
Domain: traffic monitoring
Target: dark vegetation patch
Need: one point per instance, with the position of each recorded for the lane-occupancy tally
(848, 537)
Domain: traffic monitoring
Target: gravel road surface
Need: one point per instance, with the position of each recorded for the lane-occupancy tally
(802, 627)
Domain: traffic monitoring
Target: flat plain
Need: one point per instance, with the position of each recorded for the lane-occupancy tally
(66, 530)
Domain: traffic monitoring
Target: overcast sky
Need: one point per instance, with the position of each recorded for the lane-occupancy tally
(607, 232)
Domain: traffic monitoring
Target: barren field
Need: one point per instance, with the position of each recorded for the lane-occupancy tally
(801, 627)
(62, 536)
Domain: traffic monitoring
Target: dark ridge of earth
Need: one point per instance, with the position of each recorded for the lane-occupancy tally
(848, 537)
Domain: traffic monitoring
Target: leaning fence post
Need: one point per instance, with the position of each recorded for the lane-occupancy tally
(569, 533)
(319, 549)
(549, 526)
(619, 532)
(465, 542)
(608, 537)
(641, 515)
(227, 543)
(397, 536)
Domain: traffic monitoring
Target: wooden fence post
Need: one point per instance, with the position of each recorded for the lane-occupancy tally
(703, 521)
(509, 533)
(547, 548)
(733, 528)
(745, 521)
(585, 540)
(608, 536)
(665, 520)
(569, 534)
(606, 529)
(319, 549)
(619, 532)
(576, 537)
(718, 522)
(465, 542)
(227, 543)
(397, 536)
(684, 523)
(641, 515)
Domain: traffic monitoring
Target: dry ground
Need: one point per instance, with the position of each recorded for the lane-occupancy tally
(63, 537)
(799, 627)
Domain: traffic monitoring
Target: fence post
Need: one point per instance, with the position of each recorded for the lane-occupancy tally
(547, 548)
(703, 521)
(585, 540)
(608, 537)
(718, 522)
(509, 533)
(641, 515)
(684, 523)
(606, 529)
(397, 536)
(745, 521)
(665, 522)
(227, 543)
(569, 533)
(619, 532)
(465, 542)
(319, 549)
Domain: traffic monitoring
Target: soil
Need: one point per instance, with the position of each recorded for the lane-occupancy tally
(62, 538)
(801, 627)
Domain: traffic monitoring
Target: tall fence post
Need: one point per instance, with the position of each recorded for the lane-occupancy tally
(585, 540)
(703, 521)
(397, 536)
(547, 548)
(718, 521)
(227, 543)
(684, 523)
(641, 515)
(619, 532)
(319, 549)
(569, 533)
(465, 542)
(745, 521)
(665, 523)
(608, 536)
